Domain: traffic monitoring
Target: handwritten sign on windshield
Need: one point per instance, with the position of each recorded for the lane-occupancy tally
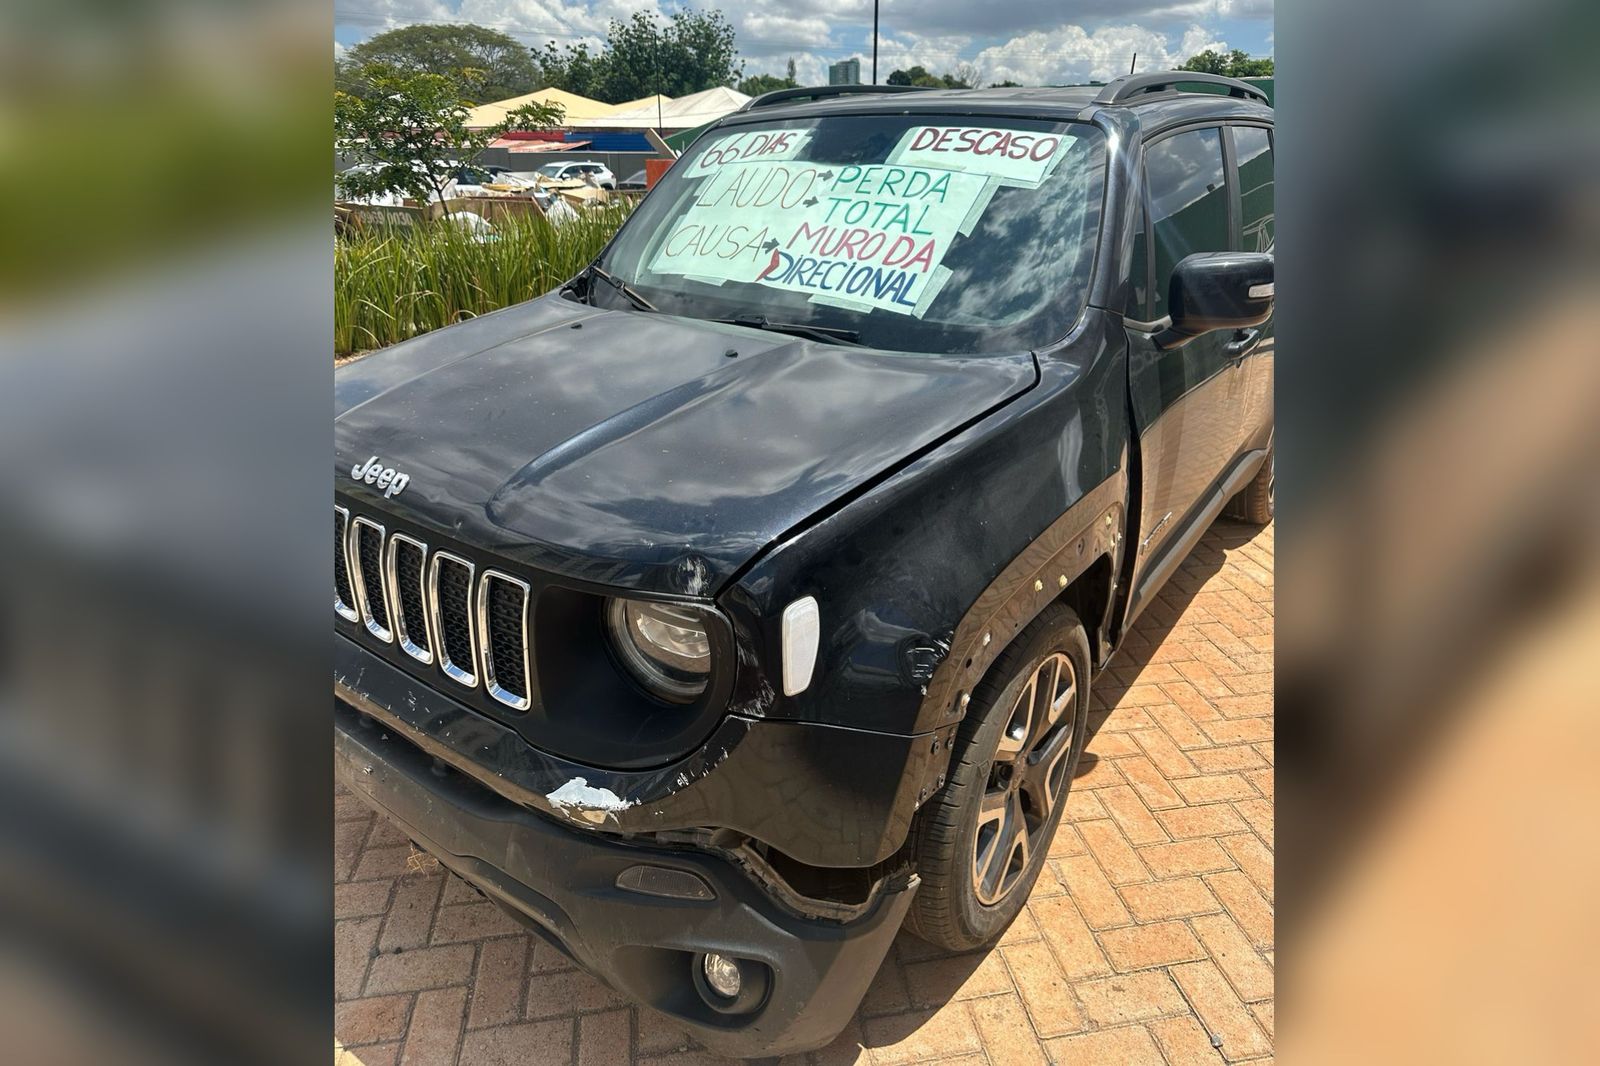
(1016, 157)
(863, 236)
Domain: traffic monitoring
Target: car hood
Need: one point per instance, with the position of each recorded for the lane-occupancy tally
(637, 450)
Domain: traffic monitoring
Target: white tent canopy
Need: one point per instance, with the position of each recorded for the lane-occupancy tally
(684, 113)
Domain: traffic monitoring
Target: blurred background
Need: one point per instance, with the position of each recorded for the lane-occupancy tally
(1439, 529)
(164, 330)
(165, 306)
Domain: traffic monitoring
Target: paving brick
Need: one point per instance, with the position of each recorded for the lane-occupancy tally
(1146, 780)
(1179, 726)
(411, 914)
(1138, 825)
(921, 1035)
(1216, 788)
(1142, 696)
(1067, 840)
(360, 899)
(497, 994)
(457, 891)
(411, 971)
(371, 1055)
(1166, 755)
(1130, 1045)
(1258, 813)
(1264, 1013)
(1130, 997)
(1083, 805)
(1223, 760)
(1112, 850)
(1003, 1028)
(352, 954)
(887, 994)
(383, 862)
(605, 1039)
(535, 1044)
(348, 839)
(472, 921)
(1198, 856)
(844, 1050)
(435, 1029)
(1205, 682)
(546, 959)
(1246, 904)
(1068, 937)
(1178, 898)
(1115, 745)
(568, 992)
(1238, 730)
(939, 981)
(372, 1020)
(1252, 857)
(1184, 1041)
(1235, 956)
(1044, 989)
(1220, 1011)
(1262, 780)
(1214, 819)
(1095, 772)
(657, 1034)
(385, 834)
(1022, 930)
(1140, 947)
(1097, 901)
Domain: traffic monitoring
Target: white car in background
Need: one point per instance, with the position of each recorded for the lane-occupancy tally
(575, 169)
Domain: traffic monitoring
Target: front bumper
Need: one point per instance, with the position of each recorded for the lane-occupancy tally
(564, 883)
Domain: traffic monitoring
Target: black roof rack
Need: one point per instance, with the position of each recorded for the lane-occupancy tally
(822, 92)
(1129, 86)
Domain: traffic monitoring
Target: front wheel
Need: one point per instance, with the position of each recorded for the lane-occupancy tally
(983, 838)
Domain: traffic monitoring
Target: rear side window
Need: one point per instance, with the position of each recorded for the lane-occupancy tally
(1188, 202)
(1253, 148)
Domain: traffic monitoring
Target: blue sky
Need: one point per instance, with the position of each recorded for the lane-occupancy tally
(1031, 41)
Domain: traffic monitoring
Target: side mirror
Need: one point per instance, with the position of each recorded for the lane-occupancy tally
(1218, 290)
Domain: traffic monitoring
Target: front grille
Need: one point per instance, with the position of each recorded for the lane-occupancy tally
(368, 557)
(344, 600)
(503, 628)
(435, 607)
(406, 558)
(451, 588)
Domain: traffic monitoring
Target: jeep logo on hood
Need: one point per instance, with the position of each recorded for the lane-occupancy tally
(387, 478)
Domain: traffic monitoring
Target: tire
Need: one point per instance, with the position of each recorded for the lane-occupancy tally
(1255, 502)
(951, 844)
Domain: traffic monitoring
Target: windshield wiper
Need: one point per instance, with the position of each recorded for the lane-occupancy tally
(827, 334)
(616, 283)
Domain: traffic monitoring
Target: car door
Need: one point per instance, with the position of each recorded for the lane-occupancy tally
(1253, 163)
(1184, 398)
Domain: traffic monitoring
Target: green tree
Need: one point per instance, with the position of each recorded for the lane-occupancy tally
(506, 67)
(1236, 64)
(962, 78)
(757, 84)
(411, 130)
(688, 53)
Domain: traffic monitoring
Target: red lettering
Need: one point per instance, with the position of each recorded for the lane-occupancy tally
(902, 248)
(944, 138)
(968, 140)
(924, 257)
(1048, 146)
(991, 135)
(924, 138)
(1019, 146)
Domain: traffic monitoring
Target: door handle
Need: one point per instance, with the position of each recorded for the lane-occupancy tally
(1244, 341)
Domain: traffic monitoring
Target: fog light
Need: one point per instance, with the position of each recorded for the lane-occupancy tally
(722, 974)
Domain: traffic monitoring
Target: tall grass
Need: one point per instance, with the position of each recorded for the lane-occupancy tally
(390, 284)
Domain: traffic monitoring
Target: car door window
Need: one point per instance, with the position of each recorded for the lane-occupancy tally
(1252, 146)
(1188, 203)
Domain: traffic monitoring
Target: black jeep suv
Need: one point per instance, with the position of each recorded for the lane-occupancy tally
(739, 602)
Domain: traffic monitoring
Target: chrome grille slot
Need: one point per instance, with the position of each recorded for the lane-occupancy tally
(406, 569)
(503, 631)
(344, 599)
(450, 600)
(366, 555)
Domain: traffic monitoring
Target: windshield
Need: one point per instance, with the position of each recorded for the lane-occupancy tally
(917, 232)
(551, 170)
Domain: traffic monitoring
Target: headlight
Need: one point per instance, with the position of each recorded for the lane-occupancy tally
(664, 645)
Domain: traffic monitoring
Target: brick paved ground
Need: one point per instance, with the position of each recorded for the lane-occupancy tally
(1148, 938)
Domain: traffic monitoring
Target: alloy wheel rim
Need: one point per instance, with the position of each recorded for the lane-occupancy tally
(1026, 778)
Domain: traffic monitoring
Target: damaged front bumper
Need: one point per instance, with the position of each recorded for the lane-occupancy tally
(640, 917)
(825, 796)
